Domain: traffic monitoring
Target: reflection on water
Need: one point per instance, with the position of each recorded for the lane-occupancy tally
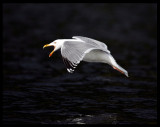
(91, 119)
(38, 89)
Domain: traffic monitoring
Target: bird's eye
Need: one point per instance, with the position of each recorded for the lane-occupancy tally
(54, 42)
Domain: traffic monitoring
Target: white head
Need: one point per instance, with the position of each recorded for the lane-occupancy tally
(57, 44)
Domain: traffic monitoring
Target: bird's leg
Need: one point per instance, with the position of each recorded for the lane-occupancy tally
(117, 69)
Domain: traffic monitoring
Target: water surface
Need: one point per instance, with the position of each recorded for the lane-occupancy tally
(38, 89)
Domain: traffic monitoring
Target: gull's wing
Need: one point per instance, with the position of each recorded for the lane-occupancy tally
(74, 51)
(93, 42)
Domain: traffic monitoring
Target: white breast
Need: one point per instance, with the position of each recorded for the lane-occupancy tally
(97, 56)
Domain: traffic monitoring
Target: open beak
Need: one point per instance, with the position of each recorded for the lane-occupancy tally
(47, 45)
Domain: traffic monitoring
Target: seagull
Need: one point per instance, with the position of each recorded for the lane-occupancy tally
(80, 48)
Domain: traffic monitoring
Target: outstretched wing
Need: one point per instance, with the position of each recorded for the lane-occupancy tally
(93, 42)
(73, 52)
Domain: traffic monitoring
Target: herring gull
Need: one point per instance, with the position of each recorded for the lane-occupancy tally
(84, 49)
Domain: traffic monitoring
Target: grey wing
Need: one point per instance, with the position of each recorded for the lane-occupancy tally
(93, 42)
(73, 52)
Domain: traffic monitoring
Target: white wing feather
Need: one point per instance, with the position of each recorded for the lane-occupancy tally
(93, 42)
(73, 52)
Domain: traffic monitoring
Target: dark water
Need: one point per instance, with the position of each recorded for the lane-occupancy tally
(38, 89)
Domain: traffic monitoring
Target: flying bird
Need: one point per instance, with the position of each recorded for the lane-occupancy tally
(86, 49)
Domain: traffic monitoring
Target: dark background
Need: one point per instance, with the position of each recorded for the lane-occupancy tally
(38, 89)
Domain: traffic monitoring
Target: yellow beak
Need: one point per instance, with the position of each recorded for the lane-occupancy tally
(47, 45)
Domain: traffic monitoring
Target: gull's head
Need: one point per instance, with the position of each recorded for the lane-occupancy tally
(57, 44)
